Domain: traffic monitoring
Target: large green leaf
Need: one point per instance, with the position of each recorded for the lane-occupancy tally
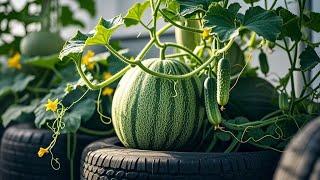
(290, 27)
(222, 21)
(135, 13)
(265, 23)
(18, 112)
(309, 59)
(189, 7)
(73, 48)
(312, 20)
(252, 98)
(21, 82)
(43, 61)
(104, 30)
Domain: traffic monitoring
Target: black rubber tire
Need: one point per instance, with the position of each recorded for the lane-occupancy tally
(301, 159)
(108, 160)
(19, 160)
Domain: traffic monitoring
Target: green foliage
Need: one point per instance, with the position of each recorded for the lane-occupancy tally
(135, 13)
(312, 20)
(290, 27)
(227, 23)
(309, 59)
(189, 7)
(104, 30)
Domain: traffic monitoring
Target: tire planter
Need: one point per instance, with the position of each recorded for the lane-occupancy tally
(19, 160)
(301, 159)
(107, 159)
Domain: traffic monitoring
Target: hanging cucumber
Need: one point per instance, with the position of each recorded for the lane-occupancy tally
(283, 101)
(212, 109)
(223, 82)
(264, 66)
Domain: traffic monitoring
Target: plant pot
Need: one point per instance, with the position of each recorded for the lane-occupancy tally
(19, 160)
(301, 159)
(107, 159)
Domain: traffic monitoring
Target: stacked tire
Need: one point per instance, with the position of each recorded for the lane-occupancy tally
(109, 160)
(19, 160)
(301, 159)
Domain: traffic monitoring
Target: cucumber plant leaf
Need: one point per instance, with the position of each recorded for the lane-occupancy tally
(222, 21)
(189, 7)
(312, 20)
(73, 48)
(309, 59)
(265, 23)
(135, 13)
(290, 27)
(43, 61)
(251, 1)
(18, 113)
(104, 30)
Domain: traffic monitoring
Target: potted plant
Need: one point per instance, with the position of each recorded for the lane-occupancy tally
(196, 100)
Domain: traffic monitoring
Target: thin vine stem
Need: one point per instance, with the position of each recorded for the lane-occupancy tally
(190, 29)
(95, 132)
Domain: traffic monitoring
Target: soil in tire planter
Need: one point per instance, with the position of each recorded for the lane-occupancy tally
(301, 159)
(19, 160)
(107, 159)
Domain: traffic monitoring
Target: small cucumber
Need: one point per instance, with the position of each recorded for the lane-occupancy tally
(264, 66)
(283, 102)
(212, 109)
(223, 81)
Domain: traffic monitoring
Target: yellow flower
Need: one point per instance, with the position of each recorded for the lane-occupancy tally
(52, 105)
(86, 60)
(106, 75)
(14, 61)
(107, 91)
(206, 33)
(42, 151)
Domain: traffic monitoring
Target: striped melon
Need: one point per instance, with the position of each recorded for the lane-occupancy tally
(154, 113)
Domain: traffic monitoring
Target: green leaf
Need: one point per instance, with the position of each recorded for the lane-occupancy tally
(43, 61)
(85, 109)
(67, 17)
(251, 1)
(222, 21)
(189, 7)
(312, 20)
(135, 13)
(18, 112)
(73, 48)
(104, 30)
(309, 59)
(223, 136)
(89, 5)
(265, 23)
(72, 122)
(290, 27)
(21, 82)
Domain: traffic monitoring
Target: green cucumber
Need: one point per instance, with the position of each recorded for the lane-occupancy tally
(264, 66)
(283, 101)
(223, 81)
(212, 109)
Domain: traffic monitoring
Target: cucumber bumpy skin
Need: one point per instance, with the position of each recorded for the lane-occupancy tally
(283, 102)
(212, 109)
(264, 66)
(223, 82)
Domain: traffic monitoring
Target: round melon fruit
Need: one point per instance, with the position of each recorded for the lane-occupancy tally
(154, 113)
(41, 44)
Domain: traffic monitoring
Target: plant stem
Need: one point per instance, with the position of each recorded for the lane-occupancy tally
(309, 83)
(233, 144)
(104, 83)
(186, 28)
(273, 4)
(199, 61)
(95, 132)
